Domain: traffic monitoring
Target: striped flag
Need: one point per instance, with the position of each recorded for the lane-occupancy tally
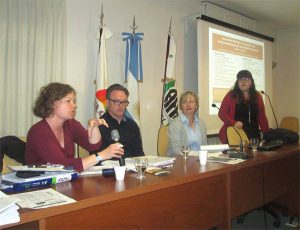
(170, 107)
(169, 98)
(102, 72)
(133, 73)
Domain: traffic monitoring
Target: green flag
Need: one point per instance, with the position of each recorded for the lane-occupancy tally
(170, 106)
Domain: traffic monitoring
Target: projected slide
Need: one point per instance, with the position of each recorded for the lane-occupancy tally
(228, 54)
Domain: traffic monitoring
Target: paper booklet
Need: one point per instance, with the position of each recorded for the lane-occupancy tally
(94, 170)
(218, 157)
(196, 153)
(153, 162)
(220, 147)
(225, 160)
(42, 199)
(40, 168)
(8, 209)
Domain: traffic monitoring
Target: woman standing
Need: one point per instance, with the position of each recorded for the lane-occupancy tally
(52, 139)
(243, 108)
(187, 128)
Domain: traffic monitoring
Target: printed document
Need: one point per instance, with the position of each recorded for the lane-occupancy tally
(42, 199)
(95, 170)
(8, 209)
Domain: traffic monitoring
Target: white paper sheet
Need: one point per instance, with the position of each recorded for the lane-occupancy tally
(8, 209)
(42, 199)
(95, 170)
(220, 147)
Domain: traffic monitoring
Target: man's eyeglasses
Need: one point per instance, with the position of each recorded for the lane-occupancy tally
(116, 102)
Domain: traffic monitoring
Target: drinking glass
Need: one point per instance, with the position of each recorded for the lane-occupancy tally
(254, 142)
(141, 166)
(184, 146)
(185, 149)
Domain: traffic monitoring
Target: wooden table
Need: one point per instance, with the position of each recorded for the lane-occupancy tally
(192, 196)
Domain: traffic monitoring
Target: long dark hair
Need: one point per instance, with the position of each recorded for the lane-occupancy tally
(238, 94)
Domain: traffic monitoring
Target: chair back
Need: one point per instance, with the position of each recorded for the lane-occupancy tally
(162, 141)
(290, 123)
(7, 161)
(81, 152)
(233, 138)
(12, 152)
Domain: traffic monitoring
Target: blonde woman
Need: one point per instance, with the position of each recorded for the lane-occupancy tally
(187, 128)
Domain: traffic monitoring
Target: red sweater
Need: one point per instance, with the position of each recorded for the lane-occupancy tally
(227, 112)
(42, 146)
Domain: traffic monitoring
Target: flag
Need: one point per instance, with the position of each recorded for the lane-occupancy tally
(170, 106)
(169, 109)
(102, 73)
(133, 73)
(170, 73)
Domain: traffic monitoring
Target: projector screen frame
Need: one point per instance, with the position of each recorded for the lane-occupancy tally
(234, 27)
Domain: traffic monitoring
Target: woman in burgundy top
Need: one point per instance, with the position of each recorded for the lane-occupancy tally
(243, 107)
(52, 139)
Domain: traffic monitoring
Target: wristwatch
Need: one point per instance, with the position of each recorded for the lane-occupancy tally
(98, 157)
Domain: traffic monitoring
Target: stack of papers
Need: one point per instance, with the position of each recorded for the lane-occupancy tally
(95, 170)
(40, 168)
(153, 161)
(218, 157)
(196, 153)
(113, 163)
(8, 209)
(220, 147)
(157, 161)
(225, 160)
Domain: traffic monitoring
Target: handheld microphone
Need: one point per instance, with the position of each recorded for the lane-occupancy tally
(240, 154)
(115, 136)
(271, 107)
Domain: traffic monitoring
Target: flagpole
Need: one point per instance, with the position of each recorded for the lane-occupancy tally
(99, 44)
(133, 27)
(165, 73)
(101, 27)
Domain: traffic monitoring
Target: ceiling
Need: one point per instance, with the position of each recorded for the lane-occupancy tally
(278, 14)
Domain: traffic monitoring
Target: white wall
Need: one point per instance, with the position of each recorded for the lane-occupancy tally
(153, 18)
(287, 74)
